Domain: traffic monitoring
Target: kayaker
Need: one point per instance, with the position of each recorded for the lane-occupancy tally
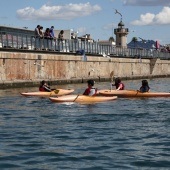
(90, 91)
(44, 86)
(145, 86)
(119, 85)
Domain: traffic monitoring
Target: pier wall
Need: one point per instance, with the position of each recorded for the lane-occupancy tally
(28, 69)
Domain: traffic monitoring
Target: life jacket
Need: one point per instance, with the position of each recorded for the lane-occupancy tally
(41, 88)
(144, 89)
(93, 92)
(44, 88)
(122, 88)
(90, 91)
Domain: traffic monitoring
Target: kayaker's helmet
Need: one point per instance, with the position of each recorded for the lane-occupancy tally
(91, 82)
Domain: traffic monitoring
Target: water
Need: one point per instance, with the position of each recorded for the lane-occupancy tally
(36, 134)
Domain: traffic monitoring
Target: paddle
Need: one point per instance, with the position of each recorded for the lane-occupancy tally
(111, 79)
(76, 98)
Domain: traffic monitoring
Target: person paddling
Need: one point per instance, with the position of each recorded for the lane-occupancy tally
(44, 86)
(119, 85)
(145, 86)
(90, 91)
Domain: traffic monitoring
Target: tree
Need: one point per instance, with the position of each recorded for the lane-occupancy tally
(111, 39)
(134, 39)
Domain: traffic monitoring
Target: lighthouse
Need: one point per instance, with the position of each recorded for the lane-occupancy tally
(121, 35)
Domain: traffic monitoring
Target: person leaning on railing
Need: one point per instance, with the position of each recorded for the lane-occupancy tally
(37, 32)
(47, 39)
(41, 33)
(52, 32)
(37, 37)
(61, 36)
(47, 34)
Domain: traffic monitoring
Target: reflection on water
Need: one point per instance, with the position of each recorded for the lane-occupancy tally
(122, 134)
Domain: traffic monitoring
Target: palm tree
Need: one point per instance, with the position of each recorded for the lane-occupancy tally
(134, 39)
(111, 39)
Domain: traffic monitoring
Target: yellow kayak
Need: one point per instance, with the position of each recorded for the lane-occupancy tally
(82, 98)
(57, 92)
(132, 93)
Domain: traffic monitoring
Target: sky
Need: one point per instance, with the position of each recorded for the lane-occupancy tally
(147, 19)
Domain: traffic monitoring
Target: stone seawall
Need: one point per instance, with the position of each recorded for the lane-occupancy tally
(29, 68)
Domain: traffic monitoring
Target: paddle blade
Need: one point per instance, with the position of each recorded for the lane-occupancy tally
(111, 75)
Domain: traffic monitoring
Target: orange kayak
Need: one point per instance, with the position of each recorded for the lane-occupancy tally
(82, 98)
(57, 92)
(132, 93)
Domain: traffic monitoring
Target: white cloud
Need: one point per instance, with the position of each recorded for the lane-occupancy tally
(65, 12)
(161, 18)
(82, 29)
(147, 2)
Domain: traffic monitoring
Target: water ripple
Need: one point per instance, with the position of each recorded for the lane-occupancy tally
(36, 134)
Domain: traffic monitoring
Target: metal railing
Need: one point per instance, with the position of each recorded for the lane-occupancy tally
(30, 42)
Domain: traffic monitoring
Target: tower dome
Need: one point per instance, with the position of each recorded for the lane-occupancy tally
(121, 24)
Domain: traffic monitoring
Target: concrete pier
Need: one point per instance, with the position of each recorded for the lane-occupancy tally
(22, 68)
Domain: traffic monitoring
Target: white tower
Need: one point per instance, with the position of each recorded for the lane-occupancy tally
(121, 35)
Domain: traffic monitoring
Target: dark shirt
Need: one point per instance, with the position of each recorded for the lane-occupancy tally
(44, 88)
(144, 89)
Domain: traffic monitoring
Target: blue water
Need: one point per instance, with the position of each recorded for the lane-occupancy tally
(36, 134)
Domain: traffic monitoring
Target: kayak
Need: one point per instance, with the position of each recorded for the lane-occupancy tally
(57, 92)
(132, 93)
(82, 98)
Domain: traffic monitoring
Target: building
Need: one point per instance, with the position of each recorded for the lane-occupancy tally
(15, 37)
(13, 30)
(106, 43)
(86, 38)
(68, 34)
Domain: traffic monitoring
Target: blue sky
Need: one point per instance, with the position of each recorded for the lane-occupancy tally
(148, 19)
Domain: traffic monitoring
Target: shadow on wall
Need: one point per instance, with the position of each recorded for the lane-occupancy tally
(152, 65)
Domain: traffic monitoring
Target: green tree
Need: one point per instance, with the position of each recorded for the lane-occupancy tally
(134, 39)
(111, 39)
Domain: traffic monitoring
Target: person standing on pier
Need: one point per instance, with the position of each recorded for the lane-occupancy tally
(52, 32)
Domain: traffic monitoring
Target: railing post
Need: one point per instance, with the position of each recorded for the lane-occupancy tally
(22, 42)
(97, 48)
(7, 40)
(1, 39)
(12, 41)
